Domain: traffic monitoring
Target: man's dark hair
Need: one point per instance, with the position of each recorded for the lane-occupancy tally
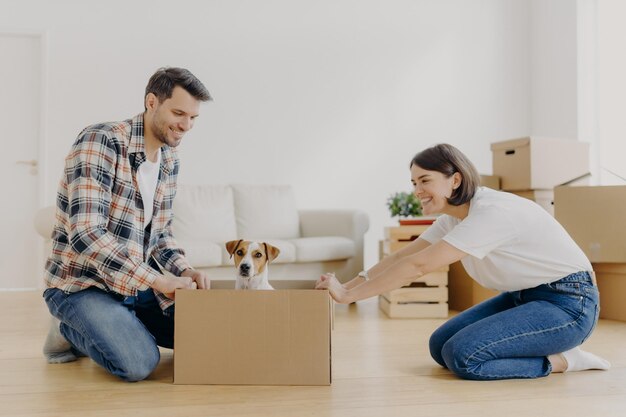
(447, 159)
(163, 81)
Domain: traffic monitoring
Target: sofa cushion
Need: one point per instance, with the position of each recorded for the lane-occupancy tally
(202, 254)
(315, 249)
(287, 252)
(266, 211)
(204, 213)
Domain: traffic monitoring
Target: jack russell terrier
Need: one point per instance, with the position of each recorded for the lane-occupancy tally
(252, 260)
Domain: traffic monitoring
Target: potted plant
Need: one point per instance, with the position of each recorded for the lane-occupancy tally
(407, 207)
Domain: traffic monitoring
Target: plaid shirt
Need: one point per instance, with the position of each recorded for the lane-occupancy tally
(98, 238)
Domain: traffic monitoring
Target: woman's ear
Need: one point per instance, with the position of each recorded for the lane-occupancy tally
(457, 179)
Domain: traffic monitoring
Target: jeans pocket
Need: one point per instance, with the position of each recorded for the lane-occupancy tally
(54, 298)
(569, 297)
(50, 297)
(568, 288)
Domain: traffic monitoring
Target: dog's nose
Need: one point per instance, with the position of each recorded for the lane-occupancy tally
(244, 268)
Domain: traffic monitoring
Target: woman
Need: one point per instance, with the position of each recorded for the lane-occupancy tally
(549, 301)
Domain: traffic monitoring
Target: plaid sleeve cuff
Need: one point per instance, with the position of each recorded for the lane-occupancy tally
(177, 264)
(135, 276)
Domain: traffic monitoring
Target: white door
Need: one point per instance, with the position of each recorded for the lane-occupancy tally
(20, 95)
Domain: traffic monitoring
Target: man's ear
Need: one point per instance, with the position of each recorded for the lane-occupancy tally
(151, 101)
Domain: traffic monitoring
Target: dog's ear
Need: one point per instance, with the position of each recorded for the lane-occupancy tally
(271, 251)
(232, 245)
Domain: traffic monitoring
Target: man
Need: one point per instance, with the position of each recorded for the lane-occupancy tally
(113, 234)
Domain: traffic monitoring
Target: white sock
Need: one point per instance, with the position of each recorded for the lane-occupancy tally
(56, 349)
(579, 360)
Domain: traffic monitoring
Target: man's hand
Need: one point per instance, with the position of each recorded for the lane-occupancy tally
(168, 285)
(330, 282)
(200, 278)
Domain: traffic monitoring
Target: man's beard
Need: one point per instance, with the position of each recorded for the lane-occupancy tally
(161, 131)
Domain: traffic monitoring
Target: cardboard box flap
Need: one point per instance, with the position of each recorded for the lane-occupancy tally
(280, 284)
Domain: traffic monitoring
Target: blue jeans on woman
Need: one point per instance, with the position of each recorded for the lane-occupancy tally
(512, 334)
(121, 334)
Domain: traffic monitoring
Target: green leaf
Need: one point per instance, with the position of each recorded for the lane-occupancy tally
(404, 204)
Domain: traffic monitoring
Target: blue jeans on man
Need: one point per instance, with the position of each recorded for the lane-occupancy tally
(122, 334)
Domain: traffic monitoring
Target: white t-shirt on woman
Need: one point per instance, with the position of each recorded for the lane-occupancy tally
(512, 242)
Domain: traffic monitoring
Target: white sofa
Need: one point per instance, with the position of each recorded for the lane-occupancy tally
(311, 242)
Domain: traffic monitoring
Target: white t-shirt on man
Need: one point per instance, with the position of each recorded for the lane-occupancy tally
(512, 242)
(147, 179)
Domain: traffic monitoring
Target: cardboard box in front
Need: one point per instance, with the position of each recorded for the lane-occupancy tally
(612, 287)
(594, 218)
(280, 337)
(534, 163)
(463, 291)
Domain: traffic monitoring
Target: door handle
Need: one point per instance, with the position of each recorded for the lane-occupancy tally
(32, 163)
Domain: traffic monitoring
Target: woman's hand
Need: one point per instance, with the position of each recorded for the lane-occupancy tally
(321, 283)
(330, 282)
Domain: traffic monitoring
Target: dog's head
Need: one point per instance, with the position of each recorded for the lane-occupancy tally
(251, 258)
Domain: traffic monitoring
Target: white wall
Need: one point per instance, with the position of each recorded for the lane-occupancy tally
(586, 52)
(611, 90)
(333, 97)
(553, 68)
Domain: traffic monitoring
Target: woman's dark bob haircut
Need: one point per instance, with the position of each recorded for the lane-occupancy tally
(447, 159)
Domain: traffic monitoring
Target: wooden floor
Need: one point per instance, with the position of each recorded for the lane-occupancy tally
(380, 368)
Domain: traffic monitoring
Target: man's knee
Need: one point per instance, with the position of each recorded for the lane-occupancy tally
(131, 355)
(137, 367)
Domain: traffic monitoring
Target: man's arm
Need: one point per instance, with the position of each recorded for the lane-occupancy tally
(90, 176)
(169, 253)
(172, 257)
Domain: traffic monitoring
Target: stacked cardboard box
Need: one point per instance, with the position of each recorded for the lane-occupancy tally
(465, 292)
(490, 181)
(531, 166)
(426, 296)
(594, 217)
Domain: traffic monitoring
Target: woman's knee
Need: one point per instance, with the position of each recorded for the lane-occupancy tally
(457, 360)
(435, 345)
